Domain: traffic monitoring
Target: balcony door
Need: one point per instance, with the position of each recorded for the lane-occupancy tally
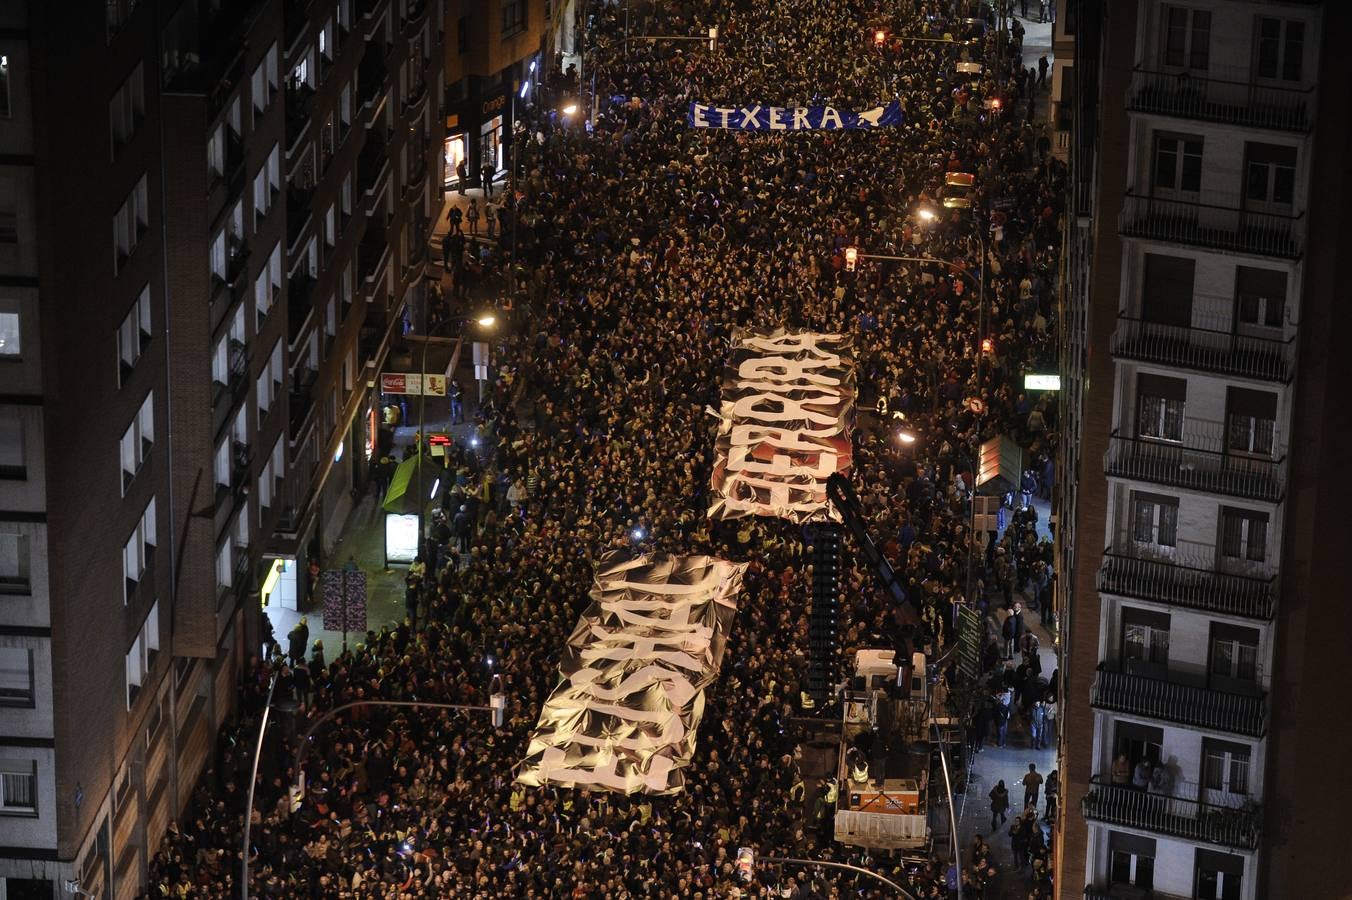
(1269, 179)
(1154, 525)
(1250, 424)
(1260, 302)
(1187, 39)
(1137, 742)
(1218, 876)
(1243, 541)
(1145, 642)
(1167, 292)
(1278, 51)
(1176, 174)
(1225, 773)
(1132, 860)
(1232, 658)
(1159, 407)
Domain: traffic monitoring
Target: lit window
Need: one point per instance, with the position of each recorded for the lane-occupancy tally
(9, 335)
(18, 787)
(4, 87)
(16, 676)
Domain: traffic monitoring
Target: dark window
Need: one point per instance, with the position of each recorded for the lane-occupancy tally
(1243, 534)
(513, 17)
(1270, 173)
(1154, 519)
(27, 889)
(1178, 163)
(1279, 48)
(1233, 653)
(1225, 767)
(1250, 421)
(1167, 295)
(462, 34)
(1187, 38)
(1260, 296)
(1218, 876)
(1145, 636)
(1159, 408)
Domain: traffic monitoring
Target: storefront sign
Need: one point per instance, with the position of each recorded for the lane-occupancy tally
(791, 118)
(494, 104)
(785, 419)
(412, 383)
(1042, 382)
(631, 693)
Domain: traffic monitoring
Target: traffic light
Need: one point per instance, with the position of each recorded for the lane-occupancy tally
(851, 258)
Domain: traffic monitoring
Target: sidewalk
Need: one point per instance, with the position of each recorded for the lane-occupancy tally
(363, 540)
(1009, 764)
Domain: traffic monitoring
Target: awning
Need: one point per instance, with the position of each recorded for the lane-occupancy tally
(401, 498)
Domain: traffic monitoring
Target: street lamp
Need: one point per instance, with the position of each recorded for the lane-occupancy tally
(879, 37)
(569, 109)
(926, 214)
(487, 320)
(905, 437)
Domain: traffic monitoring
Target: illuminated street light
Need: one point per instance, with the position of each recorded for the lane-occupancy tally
(879, 37)
(987, 345)
(569, 109)
(905, 437)
(487, 320)
(851, 258)
(926, 214)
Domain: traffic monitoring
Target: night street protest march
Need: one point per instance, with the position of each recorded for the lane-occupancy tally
(791, 118)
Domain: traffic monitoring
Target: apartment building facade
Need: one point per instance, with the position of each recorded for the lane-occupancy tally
(493, 49)
(213, 217)
(1198, 127)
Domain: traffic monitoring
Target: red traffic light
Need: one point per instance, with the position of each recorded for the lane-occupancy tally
(851, 258)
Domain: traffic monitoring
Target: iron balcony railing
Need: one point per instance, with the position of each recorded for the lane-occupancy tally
(1178, 465)
(1225, 96)
(1127, 892)
(1120, 690)
(1233, 822)
(1218, 352)
(1191, 580)
(1213, 226)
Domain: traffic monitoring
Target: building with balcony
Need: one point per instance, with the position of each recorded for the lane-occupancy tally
(1202, 345)
(187, 337)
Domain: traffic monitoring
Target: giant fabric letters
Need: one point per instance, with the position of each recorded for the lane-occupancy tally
(784, 425)
(625, 712)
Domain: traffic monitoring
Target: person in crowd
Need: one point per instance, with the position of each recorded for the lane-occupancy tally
(1032, 784)
(999, 797)
(297, 640)
(1052, 793)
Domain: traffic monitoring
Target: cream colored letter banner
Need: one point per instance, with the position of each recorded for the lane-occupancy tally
(625, 712)
(784, 425)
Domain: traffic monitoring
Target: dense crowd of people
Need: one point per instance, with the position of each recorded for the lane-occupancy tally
(637, 245)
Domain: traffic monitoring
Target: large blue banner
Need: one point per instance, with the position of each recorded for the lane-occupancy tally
(791, 118)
